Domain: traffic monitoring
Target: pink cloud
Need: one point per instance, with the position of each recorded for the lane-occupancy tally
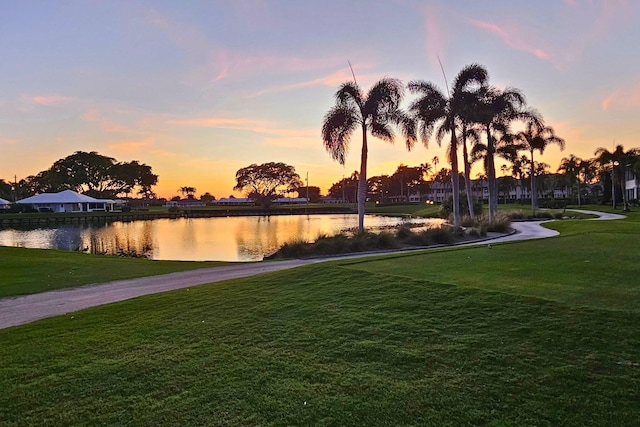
(332, 80)
(512, 38)
(51, 99)
(434, 38)
(627, 97)
(7, 141)
(251, 125)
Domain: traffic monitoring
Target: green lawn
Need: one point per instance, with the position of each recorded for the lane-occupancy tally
(520, 334)
(422, 210)
(29, 271)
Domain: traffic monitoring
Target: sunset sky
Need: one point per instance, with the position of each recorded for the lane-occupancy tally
(199, 89)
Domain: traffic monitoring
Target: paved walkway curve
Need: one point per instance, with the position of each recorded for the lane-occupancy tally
(25, 309)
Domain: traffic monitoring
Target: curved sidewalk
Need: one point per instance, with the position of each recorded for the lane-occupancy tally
(25, 309)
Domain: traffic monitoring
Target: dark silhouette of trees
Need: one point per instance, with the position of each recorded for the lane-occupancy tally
(450, 111)
(537, 137)
(313, 193)
(346, 189)
(207, 197)
(92, 174)
(373, 112)
(267, 181)
(617, 162)
(188, 192)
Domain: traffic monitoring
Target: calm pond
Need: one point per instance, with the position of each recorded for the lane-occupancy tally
(246, 238)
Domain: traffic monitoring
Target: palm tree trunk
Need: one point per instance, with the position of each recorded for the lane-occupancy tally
(467, 173)
(491, 177)
(579, 201)
(534, 193)
(362, 183)
(613, 188)
(455, 178)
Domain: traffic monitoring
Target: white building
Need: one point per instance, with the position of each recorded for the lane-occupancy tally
(234, 201)
(290, 201)
(67, 201)
(632, 185)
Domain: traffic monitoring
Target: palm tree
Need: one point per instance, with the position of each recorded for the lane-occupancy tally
(187, 191)
(435, 162)
(373, 112)
(469, 132)
(570, 168)
(495, 110)
(434, 107)
(504, 146)
(619, 160)
(537, 137)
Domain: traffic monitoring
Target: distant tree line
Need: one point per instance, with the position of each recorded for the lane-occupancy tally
(88, 173)
(478, 120)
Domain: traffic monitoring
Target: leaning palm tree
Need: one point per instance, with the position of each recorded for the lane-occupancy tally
(537, 137)
(374, 112)
(433, 107)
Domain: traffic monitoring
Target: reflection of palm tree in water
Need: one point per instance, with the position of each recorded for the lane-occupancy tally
(131, 239)
(259, 236)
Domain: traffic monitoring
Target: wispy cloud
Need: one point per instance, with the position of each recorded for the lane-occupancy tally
(626, 97)
(330, 80)
(108, 125)
(131, 147)
(51, 99)
(434, 37)
(223, 123)
(512, 37)
(8, 141)
(276, 135)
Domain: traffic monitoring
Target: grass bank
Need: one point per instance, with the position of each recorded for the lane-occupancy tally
(406, 340)
(29, 271)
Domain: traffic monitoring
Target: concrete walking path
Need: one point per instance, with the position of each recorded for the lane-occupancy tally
(25, 309)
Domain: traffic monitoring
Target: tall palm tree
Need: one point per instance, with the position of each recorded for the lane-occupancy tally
(495, 110)
(537, 137)
(433, 107)
(469, 132)
(373, 112)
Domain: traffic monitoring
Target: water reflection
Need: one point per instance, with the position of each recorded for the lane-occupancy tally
(194, 239)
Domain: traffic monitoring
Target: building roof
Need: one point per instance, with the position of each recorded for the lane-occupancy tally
(4, 202)
(66, 196)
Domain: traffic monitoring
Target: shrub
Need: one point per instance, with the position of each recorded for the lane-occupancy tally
(386, 240)
(173, 209)
(516, 215)
(404, 233)
(552, 203)
(446, 208)
(544, 215)
(558, 215)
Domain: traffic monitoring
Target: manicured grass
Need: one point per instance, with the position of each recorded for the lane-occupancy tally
(386, 341)
(29, 271)
(593, 263)
(421, 210)
(324, 345)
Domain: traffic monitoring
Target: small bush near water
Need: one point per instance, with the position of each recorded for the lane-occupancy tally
(403, 237)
